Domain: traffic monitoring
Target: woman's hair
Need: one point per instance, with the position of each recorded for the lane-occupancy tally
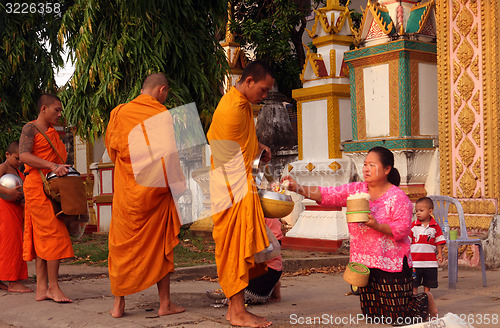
(387, 159)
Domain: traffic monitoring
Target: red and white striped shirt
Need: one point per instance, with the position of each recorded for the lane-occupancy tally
(423, 243)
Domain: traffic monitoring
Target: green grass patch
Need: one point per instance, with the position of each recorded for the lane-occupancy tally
(91, 249)
(193, 249)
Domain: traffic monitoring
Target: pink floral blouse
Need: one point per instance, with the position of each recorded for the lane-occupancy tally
(369, 247)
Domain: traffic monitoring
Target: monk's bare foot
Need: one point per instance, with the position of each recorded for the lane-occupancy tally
(17, 287)
(118, 307)
(228, 314)
(3, 286)
(41, 294)
(170, 308)
(247, 319)
(57, 295)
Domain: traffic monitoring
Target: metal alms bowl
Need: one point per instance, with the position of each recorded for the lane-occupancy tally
(258, 168)
(10, 181)
(274, 204)
(71, 172)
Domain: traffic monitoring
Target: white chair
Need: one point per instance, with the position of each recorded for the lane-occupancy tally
(441, 208)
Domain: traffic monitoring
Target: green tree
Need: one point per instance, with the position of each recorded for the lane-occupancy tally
(115, 44)
(273, 29)
(29, 53)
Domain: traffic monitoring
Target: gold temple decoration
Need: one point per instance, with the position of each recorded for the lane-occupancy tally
(456, 39)
(335, 166)
(310, 167)
(459, 169)
(456, 71)
(465, 54)
(476, 135)
(375, 8)
(394, 98)
(468, 184)
(466, 119)
(467, 152)
(465, 86)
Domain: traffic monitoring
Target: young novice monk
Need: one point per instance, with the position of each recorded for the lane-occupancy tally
(12, 266)
(426, 237)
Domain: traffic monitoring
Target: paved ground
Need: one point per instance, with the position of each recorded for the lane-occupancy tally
(319, 297)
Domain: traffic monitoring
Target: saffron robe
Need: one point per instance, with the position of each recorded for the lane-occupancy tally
(12, 265)
(44, 234)
(144, 224)
(239, 226)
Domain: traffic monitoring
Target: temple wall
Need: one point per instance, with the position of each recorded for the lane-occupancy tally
(468, 84)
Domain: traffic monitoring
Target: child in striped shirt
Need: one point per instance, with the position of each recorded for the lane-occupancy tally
(426, 238)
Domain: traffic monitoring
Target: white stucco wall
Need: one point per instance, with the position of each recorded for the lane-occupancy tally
(376, 85)
(80, 149)
(315, 129)
(345, 121)
(428, 99)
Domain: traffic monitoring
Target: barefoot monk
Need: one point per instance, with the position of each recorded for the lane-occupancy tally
(46, 238)
(239, 226)
(144, 223)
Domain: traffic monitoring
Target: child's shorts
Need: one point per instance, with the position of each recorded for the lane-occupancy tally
(426, 277)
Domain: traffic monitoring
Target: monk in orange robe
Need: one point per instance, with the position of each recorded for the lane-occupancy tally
(144, 224)
(46, 238)
(12, 266)
(239, 225)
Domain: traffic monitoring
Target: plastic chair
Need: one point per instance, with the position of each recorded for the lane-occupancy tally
(441, 207)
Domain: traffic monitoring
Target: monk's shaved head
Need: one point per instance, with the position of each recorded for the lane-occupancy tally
(258, 70)
(13, 148)
(46, 99)
(155, 80)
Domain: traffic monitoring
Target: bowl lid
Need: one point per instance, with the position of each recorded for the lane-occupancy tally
(72, 172)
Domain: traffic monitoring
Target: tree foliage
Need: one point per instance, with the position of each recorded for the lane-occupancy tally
(273, 29)
(116, 43)
(29, 53)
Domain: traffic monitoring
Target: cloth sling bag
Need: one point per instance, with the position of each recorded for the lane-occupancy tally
(67, 191)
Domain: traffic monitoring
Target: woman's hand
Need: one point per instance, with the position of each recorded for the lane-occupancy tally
(380, 227)
(289, 183)
(372, 222)
(311, 192)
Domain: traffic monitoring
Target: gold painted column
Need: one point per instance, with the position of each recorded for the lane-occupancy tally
(468, 93)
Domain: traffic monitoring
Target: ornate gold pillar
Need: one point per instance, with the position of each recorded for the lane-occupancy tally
(468, 91)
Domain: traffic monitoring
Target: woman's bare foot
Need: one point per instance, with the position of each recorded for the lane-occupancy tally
(247, 319)
(57, 295)
(118, 307)
(3, 286)
(17, 287)
(276, 294)
(170, 308)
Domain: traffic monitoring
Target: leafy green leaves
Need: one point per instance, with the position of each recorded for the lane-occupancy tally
(29, 52)
(273, 29)
(116, 44)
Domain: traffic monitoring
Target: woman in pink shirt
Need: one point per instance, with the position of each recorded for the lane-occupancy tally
(382, 243)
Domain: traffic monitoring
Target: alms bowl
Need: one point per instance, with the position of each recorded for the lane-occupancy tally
(274, 204)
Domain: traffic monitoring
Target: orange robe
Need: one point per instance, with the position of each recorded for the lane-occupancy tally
(239, 225)
(144, 224)
(44, 234)
(12, 266)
